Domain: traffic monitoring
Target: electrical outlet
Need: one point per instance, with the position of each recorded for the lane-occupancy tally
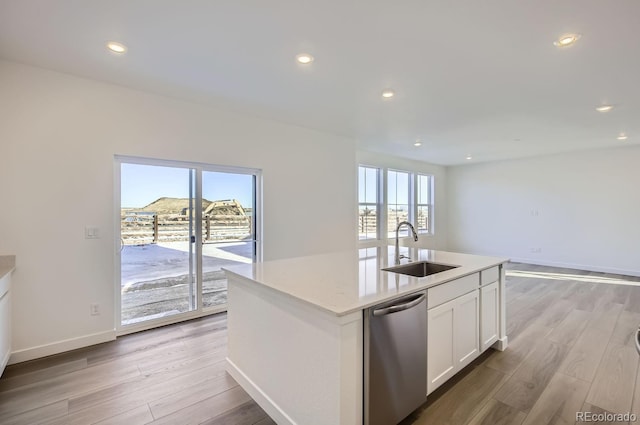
(536, 250)
(95, 309)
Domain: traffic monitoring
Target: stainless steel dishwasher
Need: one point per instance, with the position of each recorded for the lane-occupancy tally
(395, 359)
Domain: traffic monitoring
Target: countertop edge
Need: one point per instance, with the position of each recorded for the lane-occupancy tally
(285, 293)
(448, 277)
(7, 264)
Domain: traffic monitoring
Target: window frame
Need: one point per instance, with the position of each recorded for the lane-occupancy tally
(429, 205)
(378, 203)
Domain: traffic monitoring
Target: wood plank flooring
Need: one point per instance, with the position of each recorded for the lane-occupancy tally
(571, 348)
(170, 375)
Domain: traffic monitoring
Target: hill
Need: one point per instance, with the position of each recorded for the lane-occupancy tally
(172, 205)
(178, 206)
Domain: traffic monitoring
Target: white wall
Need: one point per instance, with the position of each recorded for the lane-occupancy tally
(581, 209)
(58, 137)
(439, 239)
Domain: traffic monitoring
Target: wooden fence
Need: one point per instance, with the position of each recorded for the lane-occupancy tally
(146, 228)
(367, 223)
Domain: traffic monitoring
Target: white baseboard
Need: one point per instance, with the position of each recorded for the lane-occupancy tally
(263, 400)
(576, 266)
(58, 347)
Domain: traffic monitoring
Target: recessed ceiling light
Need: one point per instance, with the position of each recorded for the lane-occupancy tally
(469, 157)
(417, 143)
(566, 40)
(622, 136)
(604, 108)
(304, 58)
(116, 47)
(388, 93)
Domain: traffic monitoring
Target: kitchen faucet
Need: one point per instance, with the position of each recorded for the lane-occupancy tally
(415, 238)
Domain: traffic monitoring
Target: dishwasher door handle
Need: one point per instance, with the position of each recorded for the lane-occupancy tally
(399, 307)
(638, 341)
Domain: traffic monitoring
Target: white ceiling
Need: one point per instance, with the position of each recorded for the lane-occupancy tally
(472, 77)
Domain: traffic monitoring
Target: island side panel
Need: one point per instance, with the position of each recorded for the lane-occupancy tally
(502, 342)
(300, 364)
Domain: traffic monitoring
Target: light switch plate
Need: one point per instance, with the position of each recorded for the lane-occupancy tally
(91, 232)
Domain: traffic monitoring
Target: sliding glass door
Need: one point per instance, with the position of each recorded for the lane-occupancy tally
(179, 224)
(157, 256)
(228, 229)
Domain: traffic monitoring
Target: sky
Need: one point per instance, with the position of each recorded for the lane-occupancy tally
(140, 185)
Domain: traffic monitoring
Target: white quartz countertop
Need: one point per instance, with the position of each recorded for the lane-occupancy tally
(7, 264)
(346, 282)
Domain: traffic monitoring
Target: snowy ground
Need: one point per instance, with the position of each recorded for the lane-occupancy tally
(155, 277)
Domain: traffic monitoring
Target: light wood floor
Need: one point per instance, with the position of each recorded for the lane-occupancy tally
(171, 375)
(570, 349)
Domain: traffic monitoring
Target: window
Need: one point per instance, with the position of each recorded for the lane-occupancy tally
(368, 200)
(408, 197)
(398, 191)
(424, 203)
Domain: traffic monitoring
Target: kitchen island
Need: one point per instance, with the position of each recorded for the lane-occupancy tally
(296, 342)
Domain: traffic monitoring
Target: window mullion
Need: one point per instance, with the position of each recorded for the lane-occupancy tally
(198, 232)
(384, 220)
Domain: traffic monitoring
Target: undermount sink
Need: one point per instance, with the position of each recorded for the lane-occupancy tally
(420, 268)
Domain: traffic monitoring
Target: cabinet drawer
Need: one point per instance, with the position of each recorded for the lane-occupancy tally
(489, 275)
(450, 290)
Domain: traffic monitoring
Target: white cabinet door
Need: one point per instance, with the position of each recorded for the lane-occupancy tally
(441, 361)
(489, 317)
(452, 338)
(466, 320)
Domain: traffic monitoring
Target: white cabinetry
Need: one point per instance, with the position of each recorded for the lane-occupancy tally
(5, 320)
(463, 320)
(452, 328)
